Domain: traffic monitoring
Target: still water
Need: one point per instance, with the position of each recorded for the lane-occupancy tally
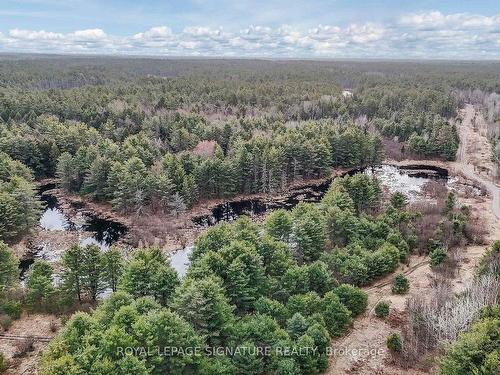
(408, 180)
(91, 229)
(94, 230)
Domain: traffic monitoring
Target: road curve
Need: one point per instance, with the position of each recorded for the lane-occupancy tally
(463, 164)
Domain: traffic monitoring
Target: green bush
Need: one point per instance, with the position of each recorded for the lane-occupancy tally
(382, 309)
(353, 298)
(438, 255)
(12, 309)
(5, 322)
(3, 363)
(394, 343)
(400, 284)
(476, 351)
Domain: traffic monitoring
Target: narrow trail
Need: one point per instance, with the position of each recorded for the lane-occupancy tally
(19, 337)
(407, 272)
(464, 163)
(368, 332)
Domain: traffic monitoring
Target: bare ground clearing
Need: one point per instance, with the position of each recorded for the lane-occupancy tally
(369, 332)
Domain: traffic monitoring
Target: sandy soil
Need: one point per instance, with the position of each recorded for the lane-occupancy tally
(362, 350)
(368, 332)
(37, 325)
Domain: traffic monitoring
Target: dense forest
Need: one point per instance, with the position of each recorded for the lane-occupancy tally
(153, 138)
(287, 284)
(161, 135)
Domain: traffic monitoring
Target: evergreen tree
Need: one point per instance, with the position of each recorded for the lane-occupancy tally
(92, 270)
(112, 264)
(39, 286)
(202, 303)
(320, 279)
(66, 172)
(308, 232)
(296, 326)
(279, 225)
(353, 298)
(72, 273)
(337, 316)
(9, 271)
(149, 273)
(176, 204)
(96, 178)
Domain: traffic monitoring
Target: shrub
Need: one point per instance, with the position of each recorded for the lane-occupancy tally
(394, 343)
(12, 309)
(24, 346)
(384, 260)
(438, 255)
(353, 298)
(382, 309)
(3, 363)
(5, 322)
(476, 351)
(400, 284)
(53, 326)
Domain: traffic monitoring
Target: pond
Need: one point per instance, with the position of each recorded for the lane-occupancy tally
(95, 230)
(409, 180)
(90, 229)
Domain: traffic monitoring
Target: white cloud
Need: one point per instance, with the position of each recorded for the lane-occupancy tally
(202, 32)
(89, 35)
(34, 35)
(436, 20)
(365, 33)
(158, 32)
(430, 34)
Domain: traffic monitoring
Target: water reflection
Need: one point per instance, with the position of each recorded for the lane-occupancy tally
(53, 217)
(91, 229)
(105, 232)
(409, 180)
(180, 260)
(102, 232)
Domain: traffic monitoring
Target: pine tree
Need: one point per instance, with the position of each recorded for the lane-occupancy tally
(279, 225)
(337, 316)
(176, 204)
(112, 261)
(96, 179)
(39, 288)
(308, 232)
(9, 271)
(296, 326)
(239, 286)
(92, 280)
(159, 189)
(203, 304)
(66, 172)
(149, 273)
(72, 273)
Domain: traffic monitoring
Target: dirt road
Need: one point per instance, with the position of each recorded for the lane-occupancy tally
(363, 350)
(474, 159)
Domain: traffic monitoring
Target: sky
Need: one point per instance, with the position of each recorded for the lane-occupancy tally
(446, 29)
